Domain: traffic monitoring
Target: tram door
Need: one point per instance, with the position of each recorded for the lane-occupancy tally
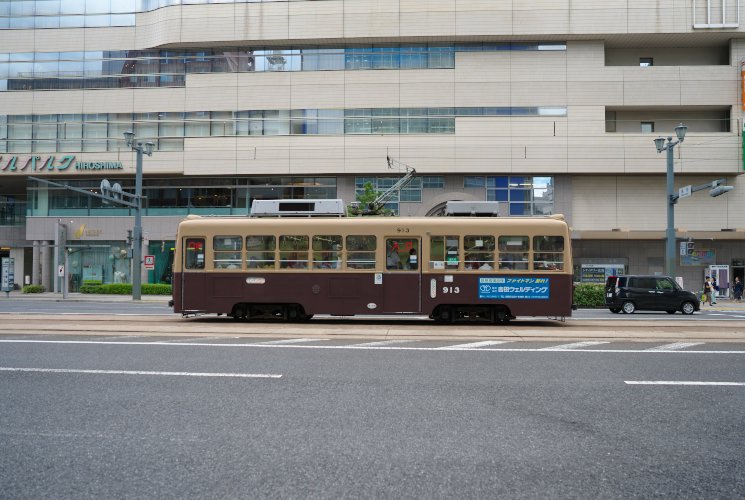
(193, 279)
(403, 275)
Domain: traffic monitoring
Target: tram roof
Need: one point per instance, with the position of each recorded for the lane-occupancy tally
(312, 224)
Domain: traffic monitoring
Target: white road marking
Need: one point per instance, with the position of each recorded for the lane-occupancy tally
(128, 372)
(287, 341)
(681, 382)
(472, 345)
(245, 345)
(674, 346)
(381, 343)
(573, 345)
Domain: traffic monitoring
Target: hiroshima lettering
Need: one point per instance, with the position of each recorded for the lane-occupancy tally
(52, 163)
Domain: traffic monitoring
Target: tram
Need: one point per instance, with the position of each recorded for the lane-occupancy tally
(452, 269)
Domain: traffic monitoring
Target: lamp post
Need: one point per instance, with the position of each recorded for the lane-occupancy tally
(672, 199)
(140, 149)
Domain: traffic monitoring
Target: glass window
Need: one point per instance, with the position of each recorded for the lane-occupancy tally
(260, 252)
(361, 251)
(647, 127)
(402, 254)
(478, 252)
(20, 133)
(548, 253)
(327, 251)
(197, 124)
(70, 132)
(665, 284)
(514, 252)
(293, 252)
(227, 252)
(433, 181)
(444, 252)
(472, 181)
(194, 253)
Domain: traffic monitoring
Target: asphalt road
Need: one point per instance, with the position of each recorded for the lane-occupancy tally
(305, 418)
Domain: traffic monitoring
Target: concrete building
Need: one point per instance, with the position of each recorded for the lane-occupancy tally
(546, 106)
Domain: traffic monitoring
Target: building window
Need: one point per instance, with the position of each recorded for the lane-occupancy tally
(646, 61)
(647, 127)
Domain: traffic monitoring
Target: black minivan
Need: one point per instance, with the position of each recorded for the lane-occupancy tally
(648, 293)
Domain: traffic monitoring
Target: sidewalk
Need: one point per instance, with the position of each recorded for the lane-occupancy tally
(81, 297)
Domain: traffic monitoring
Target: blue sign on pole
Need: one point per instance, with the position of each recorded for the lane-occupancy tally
(514, 288)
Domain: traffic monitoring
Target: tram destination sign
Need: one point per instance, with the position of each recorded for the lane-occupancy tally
(53, 163)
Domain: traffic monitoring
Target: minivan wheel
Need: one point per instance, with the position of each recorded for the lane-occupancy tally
(688, 308)
(628, 307)
(615, 310)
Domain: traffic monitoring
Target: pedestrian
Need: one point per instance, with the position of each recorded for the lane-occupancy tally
(737, 289)
(707, 291)
(412, 262)
(393, 260)
(714, 289)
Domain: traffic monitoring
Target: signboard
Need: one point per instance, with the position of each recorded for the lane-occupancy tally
(703, 257)
(598, 273)
(36, 164)
(60, 271)
(150, 262)
(8, 274)
(514, 288)
(685, 191)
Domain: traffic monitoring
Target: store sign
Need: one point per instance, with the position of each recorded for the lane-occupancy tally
(39, 164)
(703, 257)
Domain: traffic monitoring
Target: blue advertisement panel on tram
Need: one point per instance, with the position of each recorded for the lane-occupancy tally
(514, 288)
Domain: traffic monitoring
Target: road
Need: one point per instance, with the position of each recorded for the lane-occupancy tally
(724, 311)
(88, 416)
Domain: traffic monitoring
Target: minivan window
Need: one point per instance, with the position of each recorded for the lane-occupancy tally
(665, 284)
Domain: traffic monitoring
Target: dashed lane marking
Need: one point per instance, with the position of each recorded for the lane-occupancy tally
(681, 382)
(674, 346)
(472, 345)
(287, 341)
(572, 346)
(382, 343)
(128, 372)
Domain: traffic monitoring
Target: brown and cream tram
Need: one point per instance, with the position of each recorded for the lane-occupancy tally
(450, 268)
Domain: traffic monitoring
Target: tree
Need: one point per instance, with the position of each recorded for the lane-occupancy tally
(364, 203)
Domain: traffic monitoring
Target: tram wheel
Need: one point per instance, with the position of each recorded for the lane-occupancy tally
(443, 314)
(240, 312)
(502, 316)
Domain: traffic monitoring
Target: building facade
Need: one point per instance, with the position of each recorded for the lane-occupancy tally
(544, 106)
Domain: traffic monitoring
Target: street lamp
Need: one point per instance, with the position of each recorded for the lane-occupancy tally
(140, 148)
(659, 143)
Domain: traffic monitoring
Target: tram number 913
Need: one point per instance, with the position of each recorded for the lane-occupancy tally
(451, 289)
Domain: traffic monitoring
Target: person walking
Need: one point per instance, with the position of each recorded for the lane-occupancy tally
(707, 291)
(737, 289)
(714, 289)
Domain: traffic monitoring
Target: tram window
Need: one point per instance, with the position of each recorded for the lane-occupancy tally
(293, 252)
(479, 252)
(194, 253)
(548, 253)
(327, 252)
(227, 252)
(361, 251)
(402, 253)
(444, 252)
(514, 252)
(260, 252)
